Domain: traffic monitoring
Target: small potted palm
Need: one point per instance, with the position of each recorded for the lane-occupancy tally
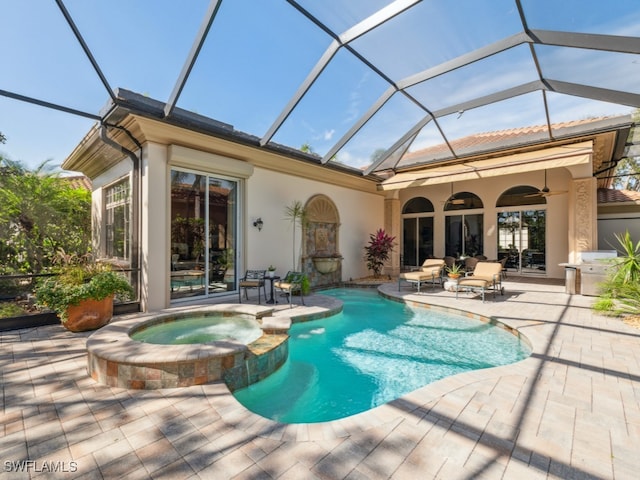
(82, 293)
(454, 271)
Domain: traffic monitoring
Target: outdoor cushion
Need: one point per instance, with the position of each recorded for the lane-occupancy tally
(485, 276)
(431, 271)
(291, 283)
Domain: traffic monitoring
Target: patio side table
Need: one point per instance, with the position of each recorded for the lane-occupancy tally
(271, 280)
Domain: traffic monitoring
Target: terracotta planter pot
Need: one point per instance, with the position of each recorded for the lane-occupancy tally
(89, 315)
(454, 275)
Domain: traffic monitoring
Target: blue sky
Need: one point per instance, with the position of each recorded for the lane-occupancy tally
(259, 52)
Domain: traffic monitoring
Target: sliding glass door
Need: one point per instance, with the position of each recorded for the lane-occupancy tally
(521, 238)
(417, 240)
(204, 211)
(464, 235)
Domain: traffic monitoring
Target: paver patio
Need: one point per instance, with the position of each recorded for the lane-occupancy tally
(571, 410)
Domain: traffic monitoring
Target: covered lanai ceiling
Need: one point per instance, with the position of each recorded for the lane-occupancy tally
(367, 84)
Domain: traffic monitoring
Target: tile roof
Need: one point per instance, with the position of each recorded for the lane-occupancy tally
(501, 138)
(609, 195)
(79, 181)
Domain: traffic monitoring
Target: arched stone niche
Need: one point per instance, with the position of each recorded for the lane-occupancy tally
(321, 254)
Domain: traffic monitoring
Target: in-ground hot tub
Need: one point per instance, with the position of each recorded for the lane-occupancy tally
(118, 360)
(205, 327)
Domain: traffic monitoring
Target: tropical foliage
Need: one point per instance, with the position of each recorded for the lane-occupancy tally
(621, 292)
(378, 250)
(297, 215)
(40, 213)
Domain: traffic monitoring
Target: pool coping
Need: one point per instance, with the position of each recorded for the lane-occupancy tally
(394, 412)
(128, 350)
(237, 415)
(117, 360)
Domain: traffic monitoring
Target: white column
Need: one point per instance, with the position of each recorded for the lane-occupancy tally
(154, 241)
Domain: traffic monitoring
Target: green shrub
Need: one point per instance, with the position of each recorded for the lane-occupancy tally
(9, 309)
(378, 250)
(80, 281)
(620, 293)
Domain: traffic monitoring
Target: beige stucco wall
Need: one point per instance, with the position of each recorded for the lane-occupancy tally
(266, 194)
(269, 193)
(489, 190)
(263, 194)
(271, 183)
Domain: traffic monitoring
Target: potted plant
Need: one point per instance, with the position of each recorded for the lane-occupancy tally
(271, 271)
(455, 271)
(377, 252)
(82, 294)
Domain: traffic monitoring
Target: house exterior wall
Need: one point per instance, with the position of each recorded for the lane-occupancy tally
(264, 193)
(269, 193)
(489, 190)
(270, 182)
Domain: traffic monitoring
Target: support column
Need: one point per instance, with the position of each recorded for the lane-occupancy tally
(583, 217)
(154, 229)
(392, 226)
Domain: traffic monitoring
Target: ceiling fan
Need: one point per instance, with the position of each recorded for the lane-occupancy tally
(545, 191)
(453, 200)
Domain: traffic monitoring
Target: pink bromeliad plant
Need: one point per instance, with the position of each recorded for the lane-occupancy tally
(378, 250)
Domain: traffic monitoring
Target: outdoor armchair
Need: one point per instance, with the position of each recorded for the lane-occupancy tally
(252, 279)
(291, 283)
(430, 272)
(485, 276)
(470, 263)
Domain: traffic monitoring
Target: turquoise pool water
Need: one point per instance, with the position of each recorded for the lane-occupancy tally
(200, 329)
(373, 352)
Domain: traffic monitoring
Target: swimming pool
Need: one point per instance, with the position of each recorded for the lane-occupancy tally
(373, 352)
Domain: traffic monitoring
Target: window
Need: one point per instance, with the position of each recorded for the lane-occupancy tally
(464, 232)
(417, 232)
(204, 211)
(521, 232)
(118, 220)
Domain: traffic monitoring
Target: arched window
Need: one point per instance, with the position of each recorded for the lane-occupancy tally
(463, 201)
(417, 231)
(464, 232)
(418, 205)
(521, 195)
(522, 231)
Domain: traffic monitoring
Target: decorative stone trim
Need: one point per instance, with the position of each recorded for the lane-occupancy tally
(116, 360)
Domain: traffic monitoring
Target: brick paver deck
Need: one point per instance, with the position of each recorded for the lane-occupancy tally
(571, 410)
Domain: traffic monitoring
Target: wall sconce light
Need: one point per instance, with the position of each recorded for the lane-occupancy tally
(258, 223)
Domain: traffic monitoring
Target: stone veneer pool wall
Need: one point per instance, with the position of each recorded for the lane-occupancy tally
(114, 359)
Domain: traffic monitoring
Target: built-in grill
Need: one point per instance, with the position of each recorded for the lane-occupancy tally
(593, 268)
